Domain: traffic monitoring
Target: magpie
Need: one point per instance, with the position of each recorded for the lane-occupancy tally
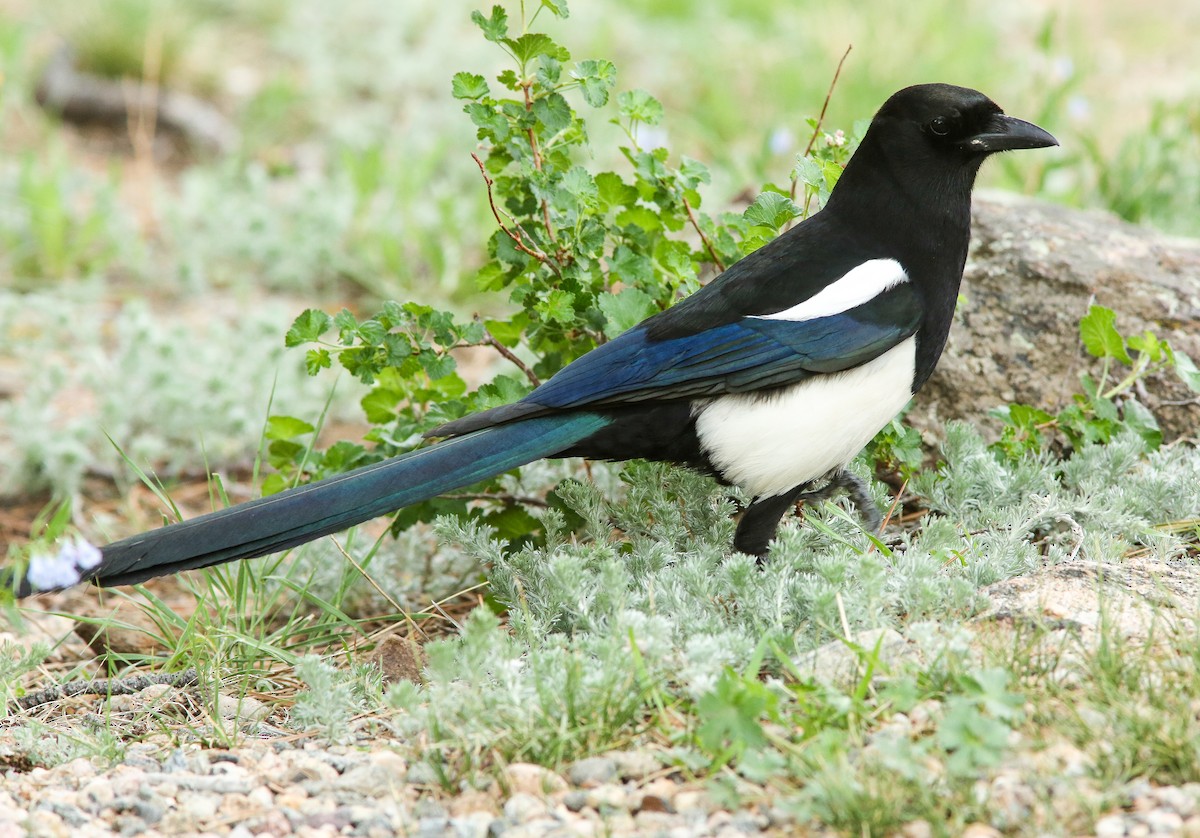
(772, 377)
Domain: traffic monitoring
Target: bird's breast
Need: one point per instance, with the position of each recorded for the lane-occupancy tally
(770, 443)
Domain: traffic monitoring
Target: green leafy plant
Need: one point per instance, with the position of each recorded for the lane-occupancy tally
(582, 256)
(1106, 405)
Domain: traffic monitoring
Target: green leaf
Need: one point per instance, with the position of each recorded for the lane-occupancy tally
(509, 79)
(495, 28)
(508, 332)
(557, 7)
(633, 267)
(1148, 344)
(287, 427)
(553, 112)
(625, 310)
(730, 714)
(316, 360)
(468, 86)
(557, 305)
(808, 171)
(343, 456)
(549, 72)
(437, 365)
(380, 405)
(613, 191)
(532, 44)
(639, 106)
(1099, 334)
(1187, 371)
(596, 78)
(1142, 422)
(643, 217)
(770, 209)
(578, 183)
(488, 120)
(694, 172)
(975, 740)
(308, 327)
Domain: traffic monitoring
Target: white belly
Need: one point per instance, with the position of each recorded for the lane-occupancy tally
(769, 444)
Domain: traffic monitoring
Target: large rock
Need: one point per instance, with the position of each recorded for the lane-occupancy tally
(1033, 271)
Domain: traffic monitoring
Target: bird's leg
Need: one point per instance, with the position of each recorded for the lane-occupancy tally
(760, 521)
(858, 491)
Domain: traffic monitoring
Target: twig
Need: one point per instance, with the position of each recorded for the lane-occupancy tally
(106, 686)
(812, 141)
(537, 164)
(507, 500)
(517, 237)
(491, 341)
(370, 580)
(707, 244)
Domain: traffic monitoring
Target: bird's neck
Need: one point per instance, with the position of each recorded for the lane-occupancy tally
(919, 215)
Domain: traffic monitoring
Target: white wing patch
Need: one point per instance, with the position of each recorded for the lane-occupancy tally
(857, 286)
(768, 444)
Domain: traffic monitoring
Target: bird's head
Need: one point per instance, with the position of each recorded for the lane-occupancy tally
(928, 141)
(954, 122)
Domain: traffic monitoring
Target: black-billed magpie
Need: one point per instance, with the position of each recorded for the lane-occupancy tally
(772, 377)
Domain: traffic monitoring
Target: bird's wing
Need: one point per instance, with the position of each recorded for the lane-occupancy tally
(752, 353)
(751, 329)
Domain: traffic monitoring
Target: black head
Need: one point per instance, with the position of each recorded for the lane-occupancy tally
(955, 122)
(924, 148)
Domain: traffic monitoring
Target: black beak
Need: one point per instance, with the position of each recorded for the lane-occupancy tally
(1005, 133)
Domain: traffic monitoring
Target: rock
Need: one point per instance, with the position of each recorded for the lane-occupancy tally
(120, 627)
(1110, 826)
(981, 830)
(591, 772)
(421, 774)
(45, 824)
(690, 800)
(917, 829)
(1128, 597)
(200, 807)
(243, 710)
(635, 765)
(1034, 268)
(399, 659)
(474, 825)
(606, 797)
(1163, 822)
(523, 807)
(532, 779)
(575, 800)
(836, 663)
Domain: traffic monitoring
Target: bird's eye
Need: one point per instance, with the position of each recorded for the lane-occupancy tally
(939, 126)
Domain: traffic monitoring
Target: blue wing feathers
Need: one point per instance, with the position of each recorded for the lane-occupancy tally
(298, 515)
(733, 357)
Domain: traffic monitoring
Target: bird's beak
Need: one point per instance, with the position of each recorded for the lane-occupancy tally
(1004, 133)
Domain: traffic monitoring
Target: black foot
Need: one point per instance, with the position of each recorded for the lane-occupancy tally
(857, 490)
(760, 521)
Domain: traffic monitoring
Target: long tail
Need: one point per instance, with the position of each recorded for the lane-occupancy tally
(295, 516)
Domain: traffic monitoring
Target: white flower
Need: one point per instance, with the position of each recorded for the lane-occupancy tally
(781, 141)
(837, 138)
(51, 571)
(649, 137)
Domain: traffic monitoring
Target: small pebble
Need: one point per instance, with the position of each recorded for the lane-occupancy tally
(1110, 826)
(591, 772)
(522, 807)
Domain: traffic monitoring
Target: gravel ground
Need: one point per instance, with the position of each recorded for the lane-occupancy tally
(282, 787)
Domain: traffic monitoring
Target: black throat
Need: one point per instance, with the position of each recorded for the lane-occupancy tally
(915, 205)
